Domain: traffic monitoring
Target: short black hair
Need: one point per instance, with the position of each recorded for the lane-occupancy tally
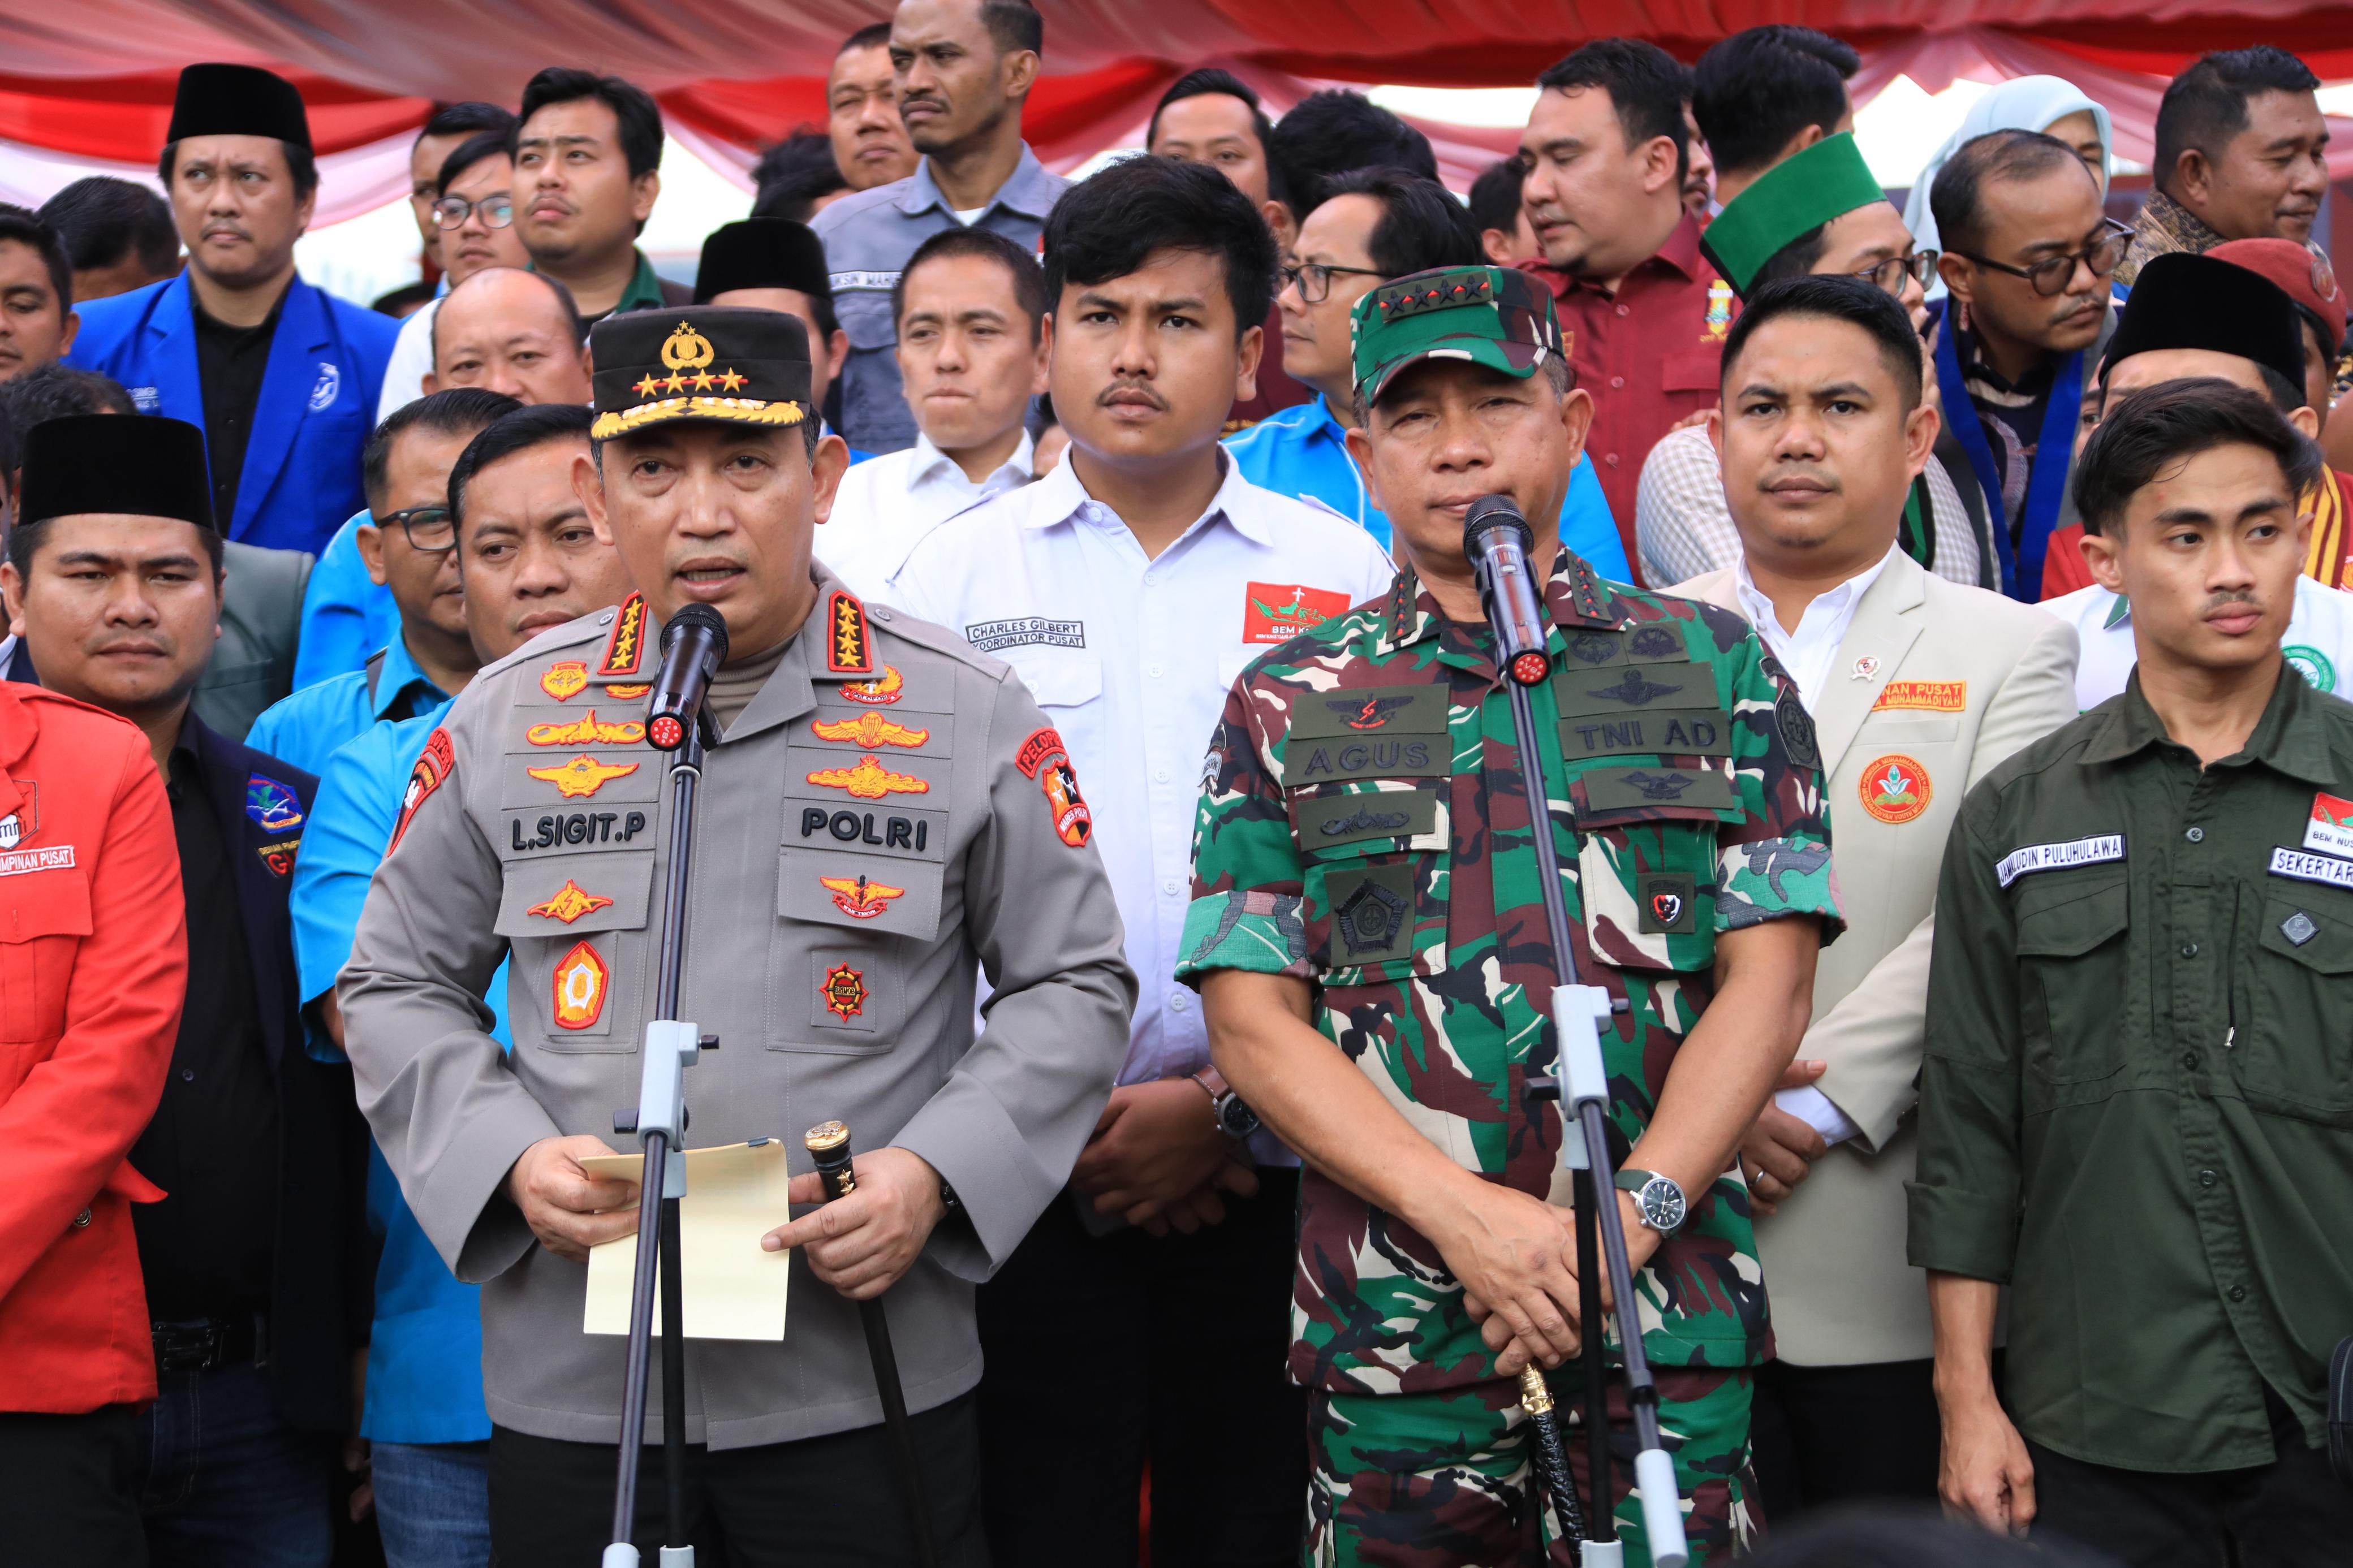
(1495, 195)
(1958, 198)
(794, 174)
(471, 151)
(470, 118)
(579, 325)
(633, 110)
(1755, 91)
(302, 168)
(1797, 258)
(873, 36)
(1836, 298)
(403, 301)
(2206, 105)
(1106, 225)
(1028, 278)
(100, 220)
(1208, 82)
(25, 226)
(1422, 225)
(458, 411)
(52, 391)
(1647, 86)
(520, 430)
(1331, 132)
(1013, 25)
(2159, 426)
(2286, 395)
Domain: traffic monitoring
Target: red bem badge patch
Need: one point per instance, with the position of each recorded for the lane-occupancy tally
(1275, 613)
(1895, 789)
(434, 766)
(578, 987)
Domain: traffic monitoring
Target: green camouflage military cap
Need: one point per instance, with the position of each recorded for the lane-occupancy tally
(1496, 316)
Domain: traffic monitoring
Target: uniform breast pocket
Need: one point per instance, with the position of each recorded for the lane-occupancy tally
(859, 890)
(865, 317)
(1069, 686)
(1376, 880)
(577, 924)
(2288, 1056)
(1648, 879)
(2074, 976)
(1692, 371)
(43, 920)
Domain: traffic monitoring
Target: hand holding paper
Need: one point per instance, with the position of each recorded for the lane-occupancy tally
(734, 1285)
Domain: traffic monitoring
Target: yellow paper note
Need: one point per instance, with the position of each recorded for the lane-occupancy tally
(734, 1195)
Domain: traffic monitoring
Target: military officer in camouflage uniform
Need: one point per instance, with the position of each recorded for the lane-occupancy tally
(885, 808)
(1364, 879)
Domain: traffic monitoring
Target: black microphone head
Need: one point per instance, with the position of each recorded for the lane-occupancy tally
(1492, 514)
(702, 618)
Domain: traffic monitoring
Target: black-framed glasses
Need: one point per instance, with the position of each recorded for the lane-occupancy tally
(1888, 275)
(1315, 279)
(2051, 274)
(431, 529)
(451, 212)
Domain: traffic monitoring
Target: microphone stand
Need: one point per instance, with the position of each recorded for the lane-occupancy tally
(660, 1123)
(1583, 1087)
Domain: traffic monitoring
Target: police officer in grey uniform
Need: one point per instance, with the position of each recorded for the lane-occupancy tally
(882, 808)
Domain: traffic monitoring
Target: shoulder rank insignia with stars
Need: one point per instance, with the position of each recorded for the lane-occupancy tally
(848, 649)
(625, 649)
(583, 776)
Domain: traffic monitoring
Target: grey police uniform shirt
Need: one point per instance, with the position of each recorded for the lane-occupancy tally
(861, 842)
(869, 238)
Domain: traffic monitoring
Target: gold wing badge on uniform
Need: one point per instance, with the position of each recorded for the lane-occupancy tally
(585, 731)
(857, 898)
(583, 776)
(885, 687)
(570, 902)
(867, 731)
(868, 780)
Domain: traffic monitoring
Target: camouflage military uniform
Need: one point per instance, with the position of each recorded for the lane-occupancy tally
(1362, 827)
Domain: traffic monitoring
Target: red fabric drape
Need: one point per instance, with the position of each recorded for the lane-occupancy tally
(123, 117)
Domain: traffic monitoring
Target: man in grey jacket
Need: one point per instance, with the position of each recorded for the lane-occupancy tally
(963, 69)
(884, 807)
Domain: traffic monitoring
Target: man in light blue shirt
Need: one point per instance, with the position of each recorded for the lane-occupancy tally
(407, 545)
(963, 72)
(1375, 225)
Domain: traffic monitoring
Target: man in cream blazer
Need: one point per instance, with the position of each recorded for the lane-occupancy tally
(1917, 689)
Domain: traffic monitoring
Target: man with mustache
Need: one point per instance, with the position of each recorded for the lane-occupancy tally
(2029, 253)
(963, 70)
(861, 102)
(1918, 687)
(587, 170)
(256, 1248)
(2137, 1099)
(2242, 153)
(281, 378)
(1128, 588)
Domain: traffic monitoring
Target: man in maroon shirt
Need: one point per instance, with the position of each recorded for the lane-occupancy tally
(1607, 147)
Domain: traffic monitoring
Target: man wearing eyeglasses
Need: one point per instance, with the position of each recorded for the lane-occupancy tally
(471, 208)
(1375, 225)
(407, 542)
(1818, 211)
(2029, 259)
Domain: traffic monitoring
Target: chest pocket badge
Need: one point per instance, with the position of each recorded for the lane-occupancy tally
(327, 388)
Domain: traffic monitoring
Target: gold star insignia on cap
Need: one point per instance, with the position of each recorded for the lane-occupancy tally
(648, 387)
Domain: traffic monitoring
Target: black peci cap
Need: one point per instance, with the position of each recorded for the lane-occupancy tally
(237, 100)
(2185, 301)
(762, 253)
(730, 363)
(137, 465)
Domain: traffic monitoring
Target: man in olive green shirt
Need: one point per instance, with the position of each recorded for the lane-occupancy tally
(2136, 1105)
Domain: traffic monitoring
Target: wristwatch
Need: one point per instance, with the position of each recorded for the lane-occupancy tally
(1234, 1117)
(1657, 1199)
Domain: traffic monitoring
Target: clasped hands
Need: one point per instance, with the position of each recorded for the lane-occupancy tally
(1516, 1257)
(860, 1245)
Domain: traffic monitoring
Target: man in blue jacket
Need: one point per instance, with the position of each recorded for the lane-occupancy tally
(281, 378)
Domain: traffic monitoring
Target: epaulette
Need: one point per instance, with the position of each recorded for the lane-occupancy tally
(570, 633)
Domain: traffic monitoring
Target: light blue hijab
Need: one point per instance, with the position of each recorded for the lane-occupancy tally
(2021, 103)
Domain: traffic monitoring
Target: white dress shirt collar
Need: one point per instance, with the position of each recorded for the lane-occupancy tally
(929, 465)
(1061, 497)
(1807, 652)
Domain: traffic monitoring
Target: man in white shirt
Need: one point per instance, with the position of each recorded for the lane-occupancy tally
(1129, 588)
(2320, 640)
(969, 309)
(1918, 687)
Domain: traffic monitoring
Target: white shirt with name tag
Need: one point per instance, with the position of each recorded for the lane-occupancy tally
(885, 505)
(1132, 657)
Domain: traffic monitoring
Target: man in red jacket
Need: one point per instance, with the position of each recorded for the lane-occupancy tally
(93, 966)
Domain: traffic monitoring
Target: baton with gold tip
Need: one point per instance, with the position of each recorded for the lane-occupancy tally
(828, 1145)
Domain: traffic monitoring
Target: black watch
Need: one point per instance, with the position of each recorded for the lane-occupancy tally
(1233, 1116)
(1658, 1199)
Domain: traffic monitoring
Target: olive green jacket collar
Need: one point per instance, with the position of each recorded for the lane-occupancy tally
(2288, 739)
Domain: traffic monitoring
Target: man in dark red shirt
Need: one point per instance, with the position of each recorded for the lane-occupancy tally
(1644, 314)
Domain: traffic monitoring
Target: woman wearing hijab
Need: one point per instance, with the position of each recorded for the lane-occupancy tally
(2052, 105)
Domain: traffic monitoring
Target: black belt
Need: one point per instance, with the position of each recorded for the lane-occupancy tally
(206, 1343)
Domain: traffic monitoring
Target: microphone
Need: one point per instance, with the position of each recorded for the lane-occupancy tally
(693, 646)
(1497, 541)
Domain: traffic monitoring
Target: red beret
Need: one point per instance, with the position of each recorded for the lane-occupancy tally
(2303, 276)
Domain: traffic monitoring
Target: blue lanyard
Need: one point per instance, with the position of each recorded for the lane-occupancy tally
(2046, 488)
